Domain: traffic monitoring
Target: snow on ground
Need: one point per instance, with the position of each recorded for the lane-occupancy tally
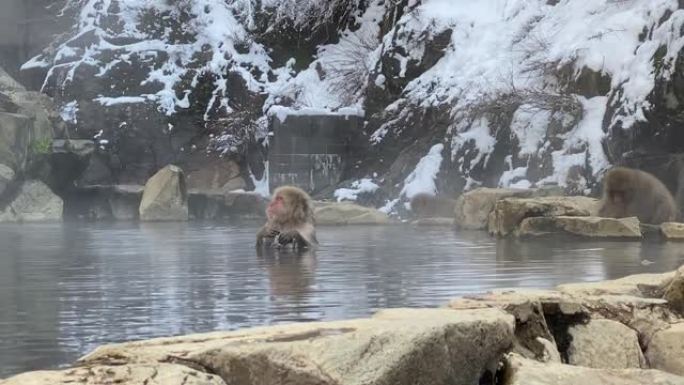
(422, 179)
(365, 185)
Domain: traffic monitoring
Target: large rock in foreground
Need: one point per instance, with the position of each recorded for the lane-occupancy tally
(594, 227)
(154, 374)
(34, 202)
(346, 213)
(510, 212)
(604, 344)
(521, 371)
(666, 349)
(165, 197)
(398, 347)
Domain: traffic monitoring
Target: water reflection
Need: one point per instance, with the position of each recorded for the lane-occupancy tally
(65, 289)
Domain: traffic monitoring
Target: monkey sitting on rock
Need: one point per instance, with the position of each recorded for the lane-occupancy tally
(634, 193)
(290, 220)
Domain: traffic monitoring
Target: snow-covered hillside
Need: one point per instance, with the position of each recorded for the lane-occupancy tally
(457, 93)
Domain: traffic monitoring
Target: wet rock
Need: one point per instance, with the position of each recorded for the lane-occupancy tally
(6, 177)
(346, 213)
(154, 374)
(604, 344)
(34, 202)
(124, 201)
(165, 197)
(595, 227)
(508, 213)
(674, 291)
(399, 346)
(666, 349)
(211, 205)
(473, 208)
(15, 136)
(78, 147)
(672, 231)
(521, 371)
(434, 221)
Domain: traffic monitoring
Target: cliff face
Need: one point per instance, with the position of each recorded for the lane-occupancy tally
(455, 94)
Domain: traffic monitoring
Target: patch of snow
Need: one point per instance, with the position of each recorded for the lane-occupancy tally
(69, 112)
(422, 179)
(261, 185)
(281, 113)
(108, 102)
(365, 185)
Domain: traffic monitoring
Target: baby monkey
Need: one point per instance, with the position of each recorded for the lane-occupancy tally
(634, 193)
(290, 220)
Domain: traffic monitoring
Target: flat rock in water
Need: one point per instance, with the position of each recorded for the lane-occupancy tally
(398, 346)
(604, 344)
(673, 231)
(508, 213)
(435, 221)
(346, 213)
(147, 374)
(165, 197)
(593, 227)
(665, 351)
(521, 371)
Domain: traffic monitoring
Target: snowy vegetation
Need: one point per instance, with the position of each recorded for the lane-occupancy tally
(528, 90)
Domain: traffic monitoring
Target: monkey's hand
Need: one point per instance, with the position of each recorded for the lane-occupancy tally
(288, 237)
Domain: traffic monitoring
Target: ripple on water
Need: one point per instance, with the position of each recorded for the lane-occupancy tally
(67, 288)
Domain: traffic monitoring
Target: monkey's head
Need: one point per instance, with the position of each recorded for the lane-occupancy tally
(290, 206)
(618, 185)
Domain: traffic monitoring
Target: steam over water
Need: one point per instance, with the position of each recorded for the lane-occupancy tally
(67, 288)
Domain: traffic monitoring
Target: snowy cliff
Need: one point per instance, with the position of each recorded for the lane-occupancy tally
(456, 93)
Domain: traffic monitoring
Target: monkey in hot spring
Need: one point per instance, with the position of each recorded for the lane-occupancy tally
(290, 221)
(634, 193)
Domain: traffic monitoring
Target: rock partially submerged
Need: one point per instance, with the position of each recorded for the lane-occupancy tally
(473, 208)
(346, 213)
(165, 197)
(509, 213)
(592, 227)
(33, 202)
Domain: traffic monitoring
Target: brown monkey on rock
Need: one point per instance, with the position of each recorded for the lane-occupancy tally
(290, 220)
(634, 193)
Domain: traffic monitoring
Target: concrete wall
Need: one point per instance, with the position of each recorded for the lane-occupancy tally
(309, 151)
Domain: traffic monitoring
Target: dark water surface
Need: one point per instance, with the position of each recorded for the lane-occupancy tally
(67, 288)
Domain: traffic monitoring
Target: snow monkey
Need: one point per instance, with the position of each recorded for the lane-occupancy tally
(633, 193)
(426, 206)
(290, 220)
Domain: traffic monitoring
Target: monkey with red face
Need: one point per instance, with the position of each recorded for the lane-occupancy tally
(290, 220)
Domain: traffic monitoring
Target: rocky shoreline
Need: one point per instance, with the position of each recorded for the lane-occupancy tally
(624, 331)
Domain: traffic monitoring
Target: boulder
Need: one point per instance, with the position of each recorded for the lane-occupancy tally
(434, 221)
(521, 371)
(6, 177)
(594, 227)
(674, 291)
(346, 213)
(638, 285)
(153, 374)
(165, 197)
(399, 347)
(15, 137)
(672, 231)
(34, 202)
(665, 351)
(216, 174)
(604, 344)
(508, 213)
(473, 208)
(77, 147)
